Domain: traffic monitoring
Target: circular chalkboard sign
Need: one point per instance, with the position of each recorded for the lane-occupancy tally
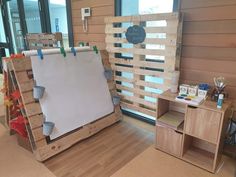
(135, 34)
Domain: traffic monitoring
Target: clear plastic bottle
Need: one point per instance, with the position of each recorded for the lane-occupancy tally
(220, 101)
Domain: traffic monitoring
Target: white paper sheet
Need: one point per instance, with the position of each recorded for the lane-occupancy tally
(76, 89)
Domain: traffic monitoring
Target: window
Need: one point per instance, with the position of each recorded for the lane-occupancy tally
(3, 40)
(32, 16)
(137, 7)
(35, 16)
(58, 19)
(2, 34)
(140, 7)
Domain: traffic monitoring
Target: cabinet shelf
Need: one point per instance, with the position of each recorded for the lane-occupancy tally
(173, 120)
(199, 157)
(199, 152)
(180, 128)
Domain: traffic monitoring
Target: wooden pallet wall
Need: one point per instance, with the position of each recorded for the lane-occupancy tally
(139, 66)
(96, 26)
(209, 42)
(208, 37)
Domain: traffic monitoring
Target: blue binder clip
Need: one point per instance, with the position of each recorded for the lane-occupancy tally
(73, 51)
(40, 53)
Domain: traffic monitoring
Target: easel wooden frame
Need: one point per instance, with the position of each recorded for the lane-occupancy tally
(32, 111)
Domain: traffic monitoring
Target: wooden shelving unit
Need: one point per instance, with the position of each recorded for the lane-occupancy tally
(199, 139)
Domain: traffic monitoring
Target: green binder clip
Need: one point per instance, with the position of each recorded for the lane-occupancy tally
(95, 49)
(63, 52)
(81, 44)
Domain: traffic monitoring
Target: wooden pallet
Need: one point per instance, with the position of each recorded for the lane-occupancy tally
(41, 147)
(44, 40)
(138, 65)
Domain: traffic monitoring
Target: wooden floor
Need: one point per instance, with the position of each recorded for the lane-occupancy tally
(106, 152)
(154, 163)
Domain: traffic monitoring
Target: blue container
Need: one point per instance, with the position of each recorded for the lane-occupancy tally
(116, 100)
(38, 92)
(48, 128)
(108, 74)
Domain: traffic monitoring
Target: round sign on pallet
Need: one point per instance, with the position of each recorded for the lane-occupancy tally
(135, 34)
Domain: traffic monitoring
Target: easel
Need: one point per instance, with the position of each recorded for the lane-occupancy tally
(21, 70)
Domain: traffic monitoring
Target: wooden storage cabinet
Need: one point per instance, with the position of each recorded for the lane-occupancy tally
(169, 140)
(203, 123)
(200, 140)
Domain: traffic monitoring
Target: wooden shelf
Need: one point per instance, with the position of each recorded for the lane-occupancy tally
(199, 157)
(180, 128)
(172, 119)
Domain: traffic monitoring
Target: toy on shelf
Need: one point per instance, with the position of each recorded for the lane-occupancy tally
(203, 90)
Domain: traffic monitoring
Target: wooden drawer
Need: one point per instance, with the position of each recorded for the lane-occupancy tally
(203, 124)
(168, 140)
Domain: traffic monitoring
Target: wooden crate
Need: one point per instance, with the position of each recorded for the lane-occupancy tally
(145, 61)
(44, 40)
(41, 147)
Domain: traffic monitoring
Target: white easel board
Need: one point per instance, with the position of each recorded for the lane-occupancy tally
(76, 89)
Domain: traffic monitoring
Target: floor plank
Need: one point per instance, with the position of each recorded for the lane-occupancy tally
(16, 161)
(106, 152)
(154, 163)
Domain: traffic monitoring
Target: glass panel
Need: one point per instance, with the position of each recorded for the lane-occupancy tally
(2, 34)
(136, 7)
(7, 52)
(58, 18)
(14, 21)
(155, 6)
(32, 16)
